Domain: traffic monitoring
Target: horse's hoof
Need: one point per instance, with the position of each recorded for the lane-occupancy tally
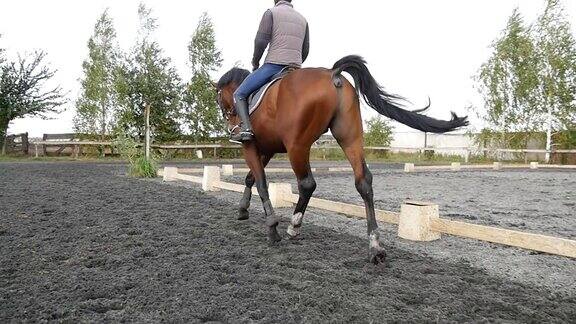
(294, 227)
(292, 231)
(243, 214)
(273, 235)
(377, 255)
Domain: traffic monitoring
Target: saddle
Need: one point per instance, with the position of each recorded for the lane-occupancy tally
(256, 97)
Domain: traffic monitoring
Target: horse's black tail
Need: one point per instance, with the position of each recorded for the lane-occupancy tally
(385, 103)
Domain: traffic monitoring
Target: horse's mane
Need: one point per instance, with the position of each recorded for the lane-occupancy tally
(235, 75)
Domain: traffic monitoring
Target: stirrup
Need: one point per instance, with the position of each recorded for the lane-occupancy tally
(242, 136)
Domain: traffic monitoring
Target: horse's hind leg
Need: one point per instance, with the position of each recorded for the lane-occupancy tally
(348, 133)
(247, 196)
(300, 160)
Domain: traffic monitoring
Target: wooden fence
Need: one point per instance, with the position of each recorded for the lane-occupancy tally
(63, 141)
(456, 166)
(417, 221)
(17, 143)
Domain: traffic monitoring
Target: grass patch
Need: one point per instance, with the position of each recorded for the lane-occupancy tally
(143, 168)
(133, 153)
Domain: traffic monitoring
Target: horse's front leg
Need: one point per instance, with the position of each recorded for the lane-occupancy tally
(243, 213)
(256, 166)
(246, 197)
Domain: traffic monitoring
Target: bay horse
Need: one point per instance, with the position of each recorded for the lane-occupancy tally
(296, 111)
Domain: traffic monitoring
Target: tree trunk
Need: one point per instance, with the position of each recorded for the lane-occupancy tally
(3, 133)
(549, 135)
(147, 146)
(103, 129)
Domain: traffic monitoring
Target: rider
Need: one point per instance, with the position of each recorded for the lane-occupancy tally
(286, 32)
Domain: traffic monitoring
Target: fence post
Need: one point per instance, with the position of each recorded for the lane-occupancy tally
(278, 192)
(75, 151)
(211, 178)
(25, 143)
(497, 166)
(44, 139)
(415, 222)
(227, 169)
(455, 166)
(170, 173)
(409, 167)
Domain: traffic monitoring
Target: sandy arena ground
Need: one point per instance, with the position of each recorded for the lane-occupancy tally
(83, 242)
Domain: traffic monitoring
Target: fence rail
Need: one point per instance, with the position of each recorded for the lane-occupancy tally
(67, 140)
(456, 166)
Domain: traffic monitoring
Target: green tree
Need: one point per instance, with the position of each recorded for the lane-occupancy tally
(509, 78)
(378, 132)
(23, 93)
(95, 108)
(146, 77)
(556, 52)
(202, 115)
(529, 82)
(1, 54)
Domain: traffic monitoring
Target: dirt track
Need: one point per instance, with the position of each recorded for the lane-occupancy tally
(82, 242)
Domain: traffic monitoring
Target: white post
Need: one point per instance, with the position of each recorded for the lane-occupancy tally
(415, 221)
(455, 166)
(409, 167)
(533, 165)
(147, 148)
(211, 178)
(199, 154)
(278, 193)
(497, 165)
(227, 169)
(170, 173)
(549, 135)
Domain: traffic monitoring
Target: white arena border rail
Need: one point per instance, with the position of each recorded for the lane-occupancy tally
(456, 166)
(229, 169)
(417, 221)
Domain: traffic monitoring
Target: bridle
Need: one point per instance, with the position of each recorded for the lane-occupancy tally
(226, 113)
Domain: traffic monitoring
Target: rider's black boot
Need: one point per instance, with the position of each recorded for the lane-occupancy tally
(245, 133)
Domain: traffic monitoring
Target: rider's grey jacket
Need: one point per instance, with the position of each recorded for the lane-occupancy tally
(286, 32)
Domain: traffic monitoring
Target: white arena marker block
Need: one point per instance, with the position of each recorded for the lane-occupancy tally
(227, 169)
(211, 178)
(455, 166)
(279, 193)
(533, 165)
(170, 173)
(415, 221)
(199, 154)
(408, 167)
(497, 165)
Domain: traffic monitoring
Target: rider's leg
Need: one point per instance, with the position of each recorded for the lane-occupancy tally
(252, 83)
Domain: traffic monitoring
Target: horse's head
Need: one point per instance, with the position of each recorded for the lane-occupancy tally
(225, 87)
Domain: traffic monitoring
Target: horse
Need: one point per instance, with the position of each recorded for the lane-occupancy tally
(296, 111)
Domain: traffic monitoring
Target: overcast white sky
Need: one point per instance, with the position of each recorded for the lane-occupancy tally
(416, 48)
